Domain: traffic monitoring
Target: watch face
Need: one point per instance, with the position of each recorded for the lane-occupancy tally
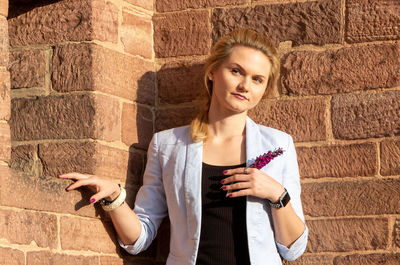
(285, 199)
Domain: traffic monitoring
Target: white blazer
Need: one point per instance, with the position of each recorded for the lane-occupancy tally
(172, 186)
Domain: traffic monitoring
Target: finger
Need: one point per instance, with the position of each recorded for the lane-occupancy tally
(98, 196)
(240, 193)
(238, 186)
(236, 178)
(239, 170)
(82, 182)
(74, 175)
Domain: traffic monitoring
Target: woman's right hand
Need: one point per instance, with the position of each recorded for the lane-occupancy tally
(101, 187)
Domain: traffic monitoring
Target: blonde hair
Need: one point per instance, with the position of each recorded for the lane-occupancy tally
(223, 49)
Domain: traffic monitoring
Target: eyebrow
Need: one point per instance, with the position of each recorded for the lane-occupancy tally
(242, 69)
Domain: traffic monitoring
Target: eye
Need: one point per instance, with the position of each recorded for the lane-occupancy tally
(235, 71)
(258, 80)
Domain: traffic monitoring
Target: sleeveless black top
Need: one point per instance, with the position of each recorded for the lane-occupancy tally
(223, 237)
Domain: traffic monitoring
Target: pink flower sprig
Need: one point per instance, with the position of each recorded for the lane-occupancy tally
(263, 160)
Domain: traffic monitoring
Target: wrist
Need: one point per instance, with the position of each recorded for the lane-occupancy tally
(278, 194)
(115, 194)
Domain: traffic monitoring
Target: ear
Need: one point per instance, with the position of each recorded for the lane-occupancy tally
(210, 76)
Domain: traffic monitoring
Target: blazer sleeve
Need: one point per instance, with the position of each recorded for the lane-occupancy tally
(150, 204)
(291, 181)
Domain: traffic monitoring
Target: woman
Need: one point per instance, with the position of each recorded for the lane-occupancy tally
(223, 208)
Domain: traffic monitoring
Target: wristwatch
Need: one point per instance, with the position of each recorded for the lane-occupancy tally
(282, 202)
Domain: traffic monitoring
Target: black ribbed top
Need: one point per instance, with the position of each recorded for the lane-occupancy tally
(223, 238)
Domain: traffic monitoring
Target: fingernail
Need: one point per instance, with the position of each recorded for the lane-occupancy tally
(222, 181)
(223, 187)
(92, 200)
(230, 195)
(225, 171)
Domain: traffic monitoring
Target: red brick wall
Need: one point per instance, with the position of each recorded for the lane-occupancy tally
(91, 80)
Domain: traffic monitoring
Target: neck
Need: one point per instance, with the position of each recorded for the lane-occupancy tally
(226, 126)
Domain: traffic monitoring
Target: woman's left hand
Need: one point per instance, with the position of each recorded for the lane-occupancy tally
(251, 181)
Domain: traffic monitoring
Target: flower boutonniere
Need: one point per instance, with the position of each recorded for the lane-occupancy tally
(262, 160)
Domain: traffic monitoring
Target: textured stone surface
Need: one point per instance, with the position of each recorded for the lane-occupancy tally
(5, 142)
(4, 46)
(347, 234)
(396, 233)
(338, 160)
(22, 227)
(79, 67)
(27, 68)
(11, 256)
(67, 116)
(185, 33)
(366, 115)
(372, 197)
(369, 20)
(390, 157)
(4, 95)
(4, 8)
(343, 70)
(75, 235)
(369, 259)
(137, 125)
(174, 5)
(142, 3)
(58, 21)
(91, 158)
(311, 260)
(315, 22)
(173, 117)
(304, 119)
(136, 35)
(23, 158)
(108, 260)
(180, 82)
(49, 258)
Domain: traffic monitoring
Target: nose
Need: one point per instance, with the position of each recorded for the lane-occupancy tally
(244, 85)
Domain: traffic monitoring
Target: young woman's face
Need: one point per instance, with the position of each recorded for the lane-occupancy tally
(240, 81)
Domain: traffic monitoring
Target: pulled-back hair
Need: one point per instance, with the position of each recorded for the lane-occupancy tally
(222, 50)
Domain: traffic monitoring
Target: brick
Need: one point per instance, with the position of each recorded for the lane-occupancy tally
(65, 117)
(340, 71)
(366, 115)
(174, 5)
(142, 3)
(396, 233)
(174, 86)
(4, 41)
(136, 35)
(372, 197)
(137, 125)
(23, 158)
(4, 8)
(75, 235)
(49, 258)
(27, 68)
(109, 260)
(347, 234)
(22, 227)
(91, 158)
(185, 33)
(338, 160)
(304, 119)
(5, 102)
(11, 256)
(390, 157)
(44, 194)
(315, 22)
(83, 67)
(311, 260)
(369, 259)
(173, 117)
(5, 146)
(70, 20)
(371, 20)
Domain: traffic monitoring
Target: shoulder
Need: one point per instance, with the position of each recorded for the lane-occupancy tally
(174, 135)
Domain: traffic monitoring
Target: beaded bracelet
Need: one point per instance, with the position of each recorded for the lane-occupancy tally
(112, 205)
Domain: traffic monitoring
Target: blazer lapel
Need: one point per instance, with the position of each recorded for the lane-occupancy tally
(253, 141)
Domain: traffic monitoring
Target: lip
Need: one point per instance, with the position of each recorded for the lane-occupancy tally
(240, 96)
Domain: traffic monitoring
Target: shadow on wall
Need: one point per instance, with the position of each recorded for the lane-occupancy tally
(20, 7)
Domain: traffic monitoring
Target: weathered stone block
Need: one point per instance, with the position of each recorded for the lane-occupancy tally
(390, 157)
(396, 233)
(50, 258)
(27, 68)
(338, 160)
(23, 158)
(310, 259)
(22, 227)
(5, 140)
(315, 22)
(5, 95)
(11, 256)
(339, 235)
(80, 67)
(136, 35)
(366, 115)
(184, 33)
(180, 82)
(4, 39)
(304, 119)
(167, 118)
(142, 3)
(369, 20)
(373, 197)
(343, 70)
(362, 259)
(174, 5)
(4, 8)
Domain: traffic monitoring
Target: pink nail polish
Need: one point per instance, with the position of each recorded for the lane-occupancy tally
(224, 172)
(92, 200)
(222, 181)
(223, 187)
(230, 195)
